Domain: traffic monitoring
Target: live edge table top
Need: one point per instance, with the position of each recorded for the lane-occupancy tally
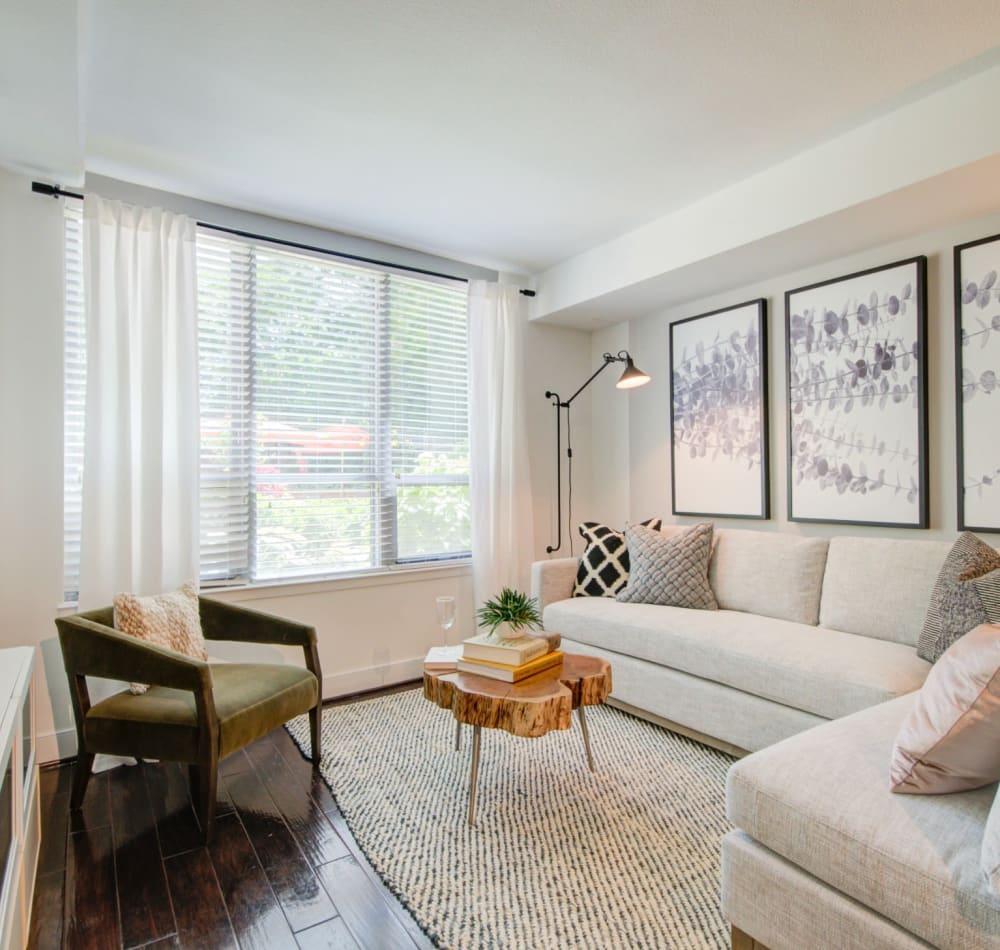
(530, 708)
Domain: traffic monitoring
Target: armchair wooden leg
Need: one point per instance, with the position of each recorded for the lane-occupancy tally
(315, 719)
(204, 788)
(81, 776)
(194, 787)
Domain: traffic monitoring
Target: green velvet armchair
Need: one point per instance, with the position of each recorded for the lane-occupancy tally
(194, 712)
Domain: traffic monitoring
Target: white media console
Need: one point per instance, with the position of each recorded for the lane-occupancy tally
(19, 818)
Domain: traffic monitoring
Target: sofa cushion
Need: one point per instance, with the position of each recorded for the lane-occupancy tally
(955, 606)
(821, 800)
(251, 699)
(879, 587)
(988, 588)
(950, 740)
(746, 563)
(989, 858)
(672, 571)
(604, 564)
(825, 672)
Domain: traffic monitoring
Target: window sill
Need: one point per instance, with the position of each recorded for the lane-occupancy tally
(383, 578)
(270, 590)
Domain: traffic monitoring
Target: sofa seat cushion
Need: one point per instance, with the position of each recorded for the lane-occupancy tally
(821, 800)
(820, 671)
(251, 699)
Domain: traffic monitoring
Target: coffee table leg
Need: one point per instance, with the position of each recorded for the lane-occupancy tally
(586, 737)
(475, 773)
(458, 735)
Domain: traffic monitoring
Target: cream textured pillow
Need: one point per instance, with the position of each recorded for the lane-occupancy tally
(950, 740)
(168, 620)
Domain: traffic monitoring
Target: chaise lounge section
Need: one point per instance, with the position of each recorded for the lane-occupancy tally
(810, 664)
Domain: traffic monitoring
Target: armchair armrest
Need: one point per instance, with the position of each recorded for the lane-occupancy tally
(222, 621)
(90, 648)
(553, 580)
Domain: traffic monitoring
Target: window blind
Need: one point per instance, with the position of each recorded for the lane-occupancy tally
(334, 413)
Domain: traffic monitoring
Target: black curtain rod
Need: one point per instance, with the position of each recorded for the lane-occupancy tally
(55, 191)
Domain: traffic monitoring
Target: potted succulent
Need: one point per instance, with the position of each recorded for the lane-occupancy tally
(509, 615)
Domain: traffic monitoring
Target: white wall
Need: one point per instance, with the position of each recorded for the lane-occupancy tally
(648, 474)
(31, 423)
(372, 630)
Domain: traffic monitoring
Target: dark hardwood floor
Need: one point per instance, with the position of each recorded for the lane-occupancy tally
(282, 871)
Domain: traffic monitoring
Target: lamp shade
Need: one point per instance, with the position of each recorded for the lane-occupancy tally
(632, 377)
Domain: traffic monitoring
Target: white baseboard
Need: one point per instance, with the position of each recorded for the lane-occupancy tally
(359, 681)
(54, 746)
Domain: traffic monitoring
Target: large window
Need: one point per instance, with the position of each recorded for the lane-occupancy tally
(334, 414)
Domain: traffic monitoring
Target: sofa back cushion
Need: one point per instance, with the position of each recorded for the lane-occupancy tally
(767, 573)
(880, 587)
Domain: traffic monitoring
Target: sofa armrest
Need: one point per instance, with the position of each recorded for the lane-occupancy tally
(553, 580)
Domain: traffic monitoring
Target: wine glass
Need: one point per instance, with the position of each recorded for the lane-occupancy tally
(446, 614)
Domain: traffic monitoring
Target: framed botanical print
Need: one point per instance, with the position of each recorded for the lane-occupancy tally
(718, 413)
(856, 390)
(977, 375)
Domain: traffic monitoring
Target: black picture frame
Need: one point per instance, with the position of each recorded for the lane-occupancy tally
(978, 456)
(738, 354)
(828, 456)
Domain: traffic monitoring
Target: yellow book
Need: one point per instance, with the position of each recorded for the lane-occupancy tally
(510, 674)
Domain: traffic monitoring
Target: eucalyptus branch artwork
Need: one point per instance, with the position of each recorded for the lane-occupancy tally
(856, 398)
(718, 412)
(977, 347)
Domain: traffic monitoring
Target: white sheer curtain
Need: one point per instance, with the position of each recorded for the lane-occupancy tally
(141, 430)
(500, 476)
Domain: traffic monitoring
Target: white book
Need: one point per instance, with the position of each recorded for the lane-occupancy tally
(443, 657)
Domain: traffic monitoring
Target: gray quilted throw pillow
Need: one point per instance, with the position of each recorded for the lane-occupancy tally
(956, 607)
(670, 571)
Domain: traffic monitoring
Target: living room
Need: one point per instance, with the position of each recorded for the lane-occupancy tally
(454, 281)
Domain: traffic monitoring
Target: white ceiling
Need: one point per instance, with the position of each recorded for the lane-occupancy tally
(512, 134)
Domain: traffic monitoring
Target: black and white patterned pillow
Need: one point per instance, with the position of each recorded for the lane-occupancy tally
(603, 569)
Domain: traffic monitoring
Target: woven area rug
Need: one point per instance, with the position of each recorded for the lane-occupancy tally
(626, 857)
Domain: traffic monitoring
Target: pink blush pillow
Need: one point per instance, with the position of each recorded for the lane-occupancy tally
(950, 741)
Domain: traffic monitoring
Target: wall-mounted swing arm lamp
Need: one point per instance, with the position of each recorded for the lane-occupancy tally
(630, 378)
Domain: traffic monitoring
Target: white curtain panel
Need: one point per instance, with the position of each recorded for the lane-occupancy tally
(141, 437)
(500, 476)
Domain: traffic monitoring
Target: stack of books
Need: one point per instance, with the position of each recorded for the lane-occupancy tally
(510, 660)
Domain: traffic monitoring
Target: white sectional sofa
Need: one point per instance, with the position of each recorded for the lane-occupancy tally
(809, 630)
(811, 633)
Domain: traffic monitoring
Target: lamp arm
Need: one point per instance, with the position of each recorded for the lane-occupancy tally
(608, 360)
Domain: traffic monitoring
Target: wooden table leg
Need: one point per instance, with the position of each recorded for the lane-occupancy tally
(476, 730)
(458, 734)
(586, 737)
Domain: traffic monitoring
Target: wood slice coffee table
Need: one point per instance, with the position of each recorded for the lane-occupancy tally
(533, 707)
